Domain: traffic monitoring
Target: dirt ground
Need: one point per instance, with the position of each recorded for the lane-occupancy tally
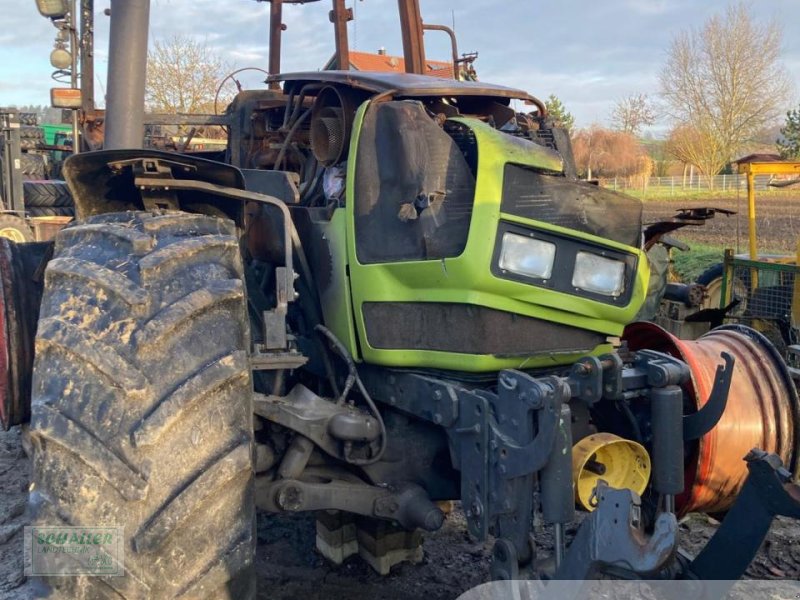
(777, 221)
(289, 567)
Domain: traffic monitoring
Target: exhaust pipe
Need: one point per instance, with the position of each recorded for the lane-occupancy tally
(127, 70)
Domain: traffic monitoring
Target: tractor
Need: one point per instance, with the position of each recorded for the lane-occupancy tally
(393, 292)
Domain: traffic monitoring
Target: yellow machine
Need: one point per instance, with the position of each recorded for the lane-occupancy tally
(751, 169)
(765, 288)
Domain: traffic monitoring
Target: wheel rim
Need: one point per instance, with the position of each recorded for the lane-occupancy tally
(13, 234)
(714, 295)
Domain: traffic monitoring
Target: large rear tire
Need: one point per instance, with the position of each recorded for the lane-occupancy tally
(141, 410)
(33, 167)
(47, 194)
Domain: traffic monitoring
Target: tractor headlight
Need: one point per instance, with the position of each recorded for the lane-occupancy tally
(527, 256)
(598, 274)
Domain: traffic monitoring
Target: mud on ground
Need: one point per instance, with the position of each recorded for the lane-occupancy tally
(289, 567)
(777, 221)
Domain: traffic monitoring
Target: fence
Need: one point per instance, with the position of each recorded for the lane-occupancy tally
(678, 185)
(765, 296)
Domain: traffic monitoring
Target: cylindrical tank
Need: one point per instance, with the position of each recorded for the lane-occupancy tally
(762, 409)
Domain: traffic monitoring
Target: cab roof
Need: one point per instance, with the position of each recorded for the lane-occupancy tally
(403, 85)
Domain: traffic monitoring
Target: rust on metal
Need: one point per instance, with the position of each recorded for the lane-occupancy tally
(275, 32)
(339, 17)
(762, 409)
(404, 85)
(453, 44)
(413, 44)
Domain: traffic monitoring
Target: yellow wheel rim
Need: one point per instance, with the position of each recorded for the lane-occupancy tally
(13, 234)
(626, 465)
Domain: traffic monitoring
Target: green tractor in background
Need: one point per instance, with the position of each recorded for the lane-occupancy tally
(394, 292)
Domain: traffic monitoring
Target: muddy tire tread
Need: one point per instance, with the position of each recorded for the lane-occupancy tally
(134, 427)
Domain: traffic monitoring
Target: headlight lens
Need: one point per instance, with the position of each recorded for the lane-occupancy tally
(598, 274)
(527, 256)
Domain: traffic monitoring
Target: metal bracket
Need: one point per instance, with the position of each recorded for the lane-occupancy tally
(586, 380)
(700, 423)
(767, 493)
(275, 335)
(661, 369)
(613, 536)
(329, 425)
(273, 361)
(596, 378)
(504, 440)
(424, 397)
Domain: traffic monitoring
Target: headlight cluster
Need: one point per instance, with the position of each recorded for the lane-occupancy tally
(582, 268)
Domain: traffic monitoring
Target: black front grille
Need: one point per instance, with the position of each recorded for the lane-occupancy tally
(469, 329)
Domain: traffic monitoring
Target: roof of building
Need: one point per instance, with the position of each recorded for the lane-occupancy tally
(758, 157)
(366, 61)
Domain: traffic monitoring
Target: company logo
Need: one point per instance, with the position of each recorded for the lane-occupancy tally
(74, 551)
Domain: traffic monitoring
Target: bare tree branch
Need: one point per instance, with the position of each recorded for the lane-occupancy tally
(630, 114)
(183, 75)
(722, 84)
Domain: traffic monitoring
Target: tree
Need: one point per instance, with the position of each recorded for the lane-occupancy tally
(601, 152)
(632, 113)
(557, 111)
(658, 152)
(692, 146)
(789, 142)
(721, 84)
(183, 75)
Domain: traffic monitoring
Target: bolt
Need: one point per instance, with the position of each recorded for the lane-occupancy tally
(392, 400)
(437, 418)
(507, 381)
(289, 498)
(437, 395)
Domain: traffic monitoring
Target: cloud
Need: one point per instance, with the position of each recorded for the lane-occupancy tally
(651, 7)
(588, 54)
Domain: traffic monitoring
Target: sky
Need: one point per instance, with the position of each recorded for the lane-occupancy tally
(588, 53)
